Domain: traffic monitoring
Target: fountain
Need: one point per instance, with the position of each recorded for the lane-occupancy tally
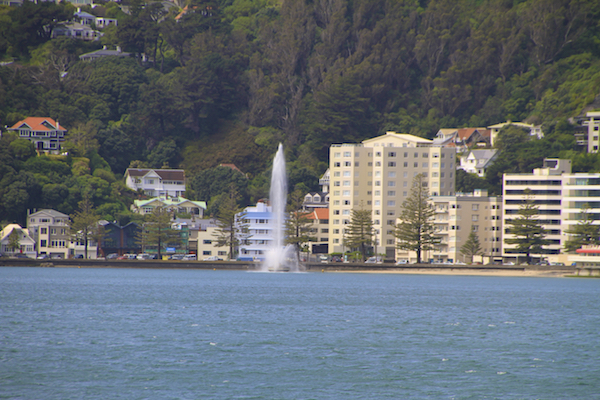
(279, 257)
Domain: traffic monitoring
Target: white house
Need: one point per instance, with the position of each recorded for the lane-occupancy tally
(156, 182)
(76, 30)
(534, 130)
(172, 204)
(26, 243)
(477, 161)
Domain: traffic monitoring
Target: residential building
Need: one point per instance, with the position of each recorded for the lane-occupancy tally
(560, 196)
(320, 199)
(88, 19)
(259, 238)
(463, 139)
(51, 232)
(104, 52)
(45, 133)
(172, 204)
(593, 131)
(26, 243)
(156, 182)
(203, 241)
(377, 175)
(455, 217)
(319, 231)
(477, 161)
(534, 130)
(76, 30)
(119, 239)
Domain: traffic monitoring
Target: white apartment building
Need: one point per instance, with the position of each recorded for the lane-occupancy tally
(258, 239)
(455, 217)
(560, 196)
(593, 134)
(156, 182)
(377, 175)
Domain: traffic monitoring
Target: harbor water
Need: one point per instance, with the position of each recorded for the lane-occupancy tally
(68, 333)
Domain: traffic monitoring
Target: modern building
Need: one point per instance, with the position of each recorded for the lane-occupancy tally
(376, 175)
(156, 182)
(593, 131)
(203, 241)
(26, 244)
(45, 133)
(51, 233)
(260, 233)
(455, 217)
(560, 196)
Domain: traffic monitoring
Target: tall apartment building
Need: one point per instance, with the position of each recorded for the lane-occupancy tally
(377, 175)
(456, 216)
(560, 195)
(593, 131)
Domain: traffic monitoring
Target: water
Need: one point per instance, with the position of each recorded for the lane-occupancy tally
(279, 257)
(195, 334)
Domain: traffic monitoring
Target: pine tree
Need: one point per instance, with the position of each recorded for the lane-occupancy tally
(297, 224)
(584, 233)
(14, 240)
(156, 232)
(84, 224)
(232, 230)
(472, 247)
(416, 231)
(360, 231)
(529, 234)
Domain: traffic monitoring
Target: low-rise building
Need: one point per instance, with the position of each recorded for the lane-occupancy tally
(319, 231)
(117, 239)
(25, 243)
(156, 182)
(51, 232)
(534, 130)
(477, 161)
(171, 204)
(45, 133)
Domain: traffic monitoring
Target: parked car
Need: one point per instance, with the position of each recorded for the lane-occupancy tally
(374, 260)
(143, 256)
(43, 257)
(112, 256)
(123, 257)
(402, 261)
(78, 256)
(324, 259)
(176, 257)
(212, 258)
(189, 257)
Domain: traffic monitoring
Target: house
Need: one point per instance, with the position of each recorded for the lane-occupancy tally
(88, 19)
(319, 231)
(76, 30)
(477, 161)
(463, 138)
(45, 133)
(51, 232)
(314, 200)
(534, 130)
(119, 239)
(26, 244)
(202, 240)
(156, 182)
(172, 204)
(104, 52)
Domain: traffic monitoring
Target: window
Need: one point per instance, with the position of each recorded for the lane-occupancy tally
(337, 164)
(405, 164)
(378, 154)
(43, 243)
(475, 217)
(391, 193)
(390, 222)
(346, 183)
(391, 183)
(206, 253)
(392, 154)
(391, 174)
(474, 207)
(347, 164)
(336, 183)
(43, 231)
(416, 165)
(346, 202)
(347, 154)
(347, 173)
(391, 203)
(336, 173)
(336, 212)
(207, 241)
(391, 164)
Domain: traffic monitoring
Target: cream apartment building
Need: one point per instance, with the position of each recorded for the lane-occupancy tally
(455, 217)
(376, 175)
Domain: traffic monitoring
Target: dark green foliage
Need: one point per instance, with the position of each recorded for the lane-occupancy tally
(472, 247)
(206, 185)
(584, 233)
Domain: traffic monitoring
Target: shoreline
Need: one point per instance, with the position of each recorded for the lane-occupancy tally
(434, 269)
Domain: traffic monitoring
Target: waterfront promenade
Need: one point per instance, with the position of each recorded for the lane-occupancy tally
(441, 269)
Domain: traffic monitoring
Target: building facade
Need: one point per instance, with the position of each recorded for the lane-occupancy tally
(51, 232)
(45, 133)
(560, 196)
(593, 131)
(260, 233)
(156, 182)
(377, 175)
(455, 217)
(26, 244)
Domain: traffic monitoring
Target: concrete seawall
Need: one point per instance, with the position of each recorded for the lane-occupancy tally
(309, 267)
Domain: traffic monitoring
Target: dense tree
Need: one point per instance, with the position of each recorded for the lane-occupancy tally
(84, 225)
(14, 240)
(157, 233)
(360, 232)
(416, 230)
(231, 228)
(527, 232)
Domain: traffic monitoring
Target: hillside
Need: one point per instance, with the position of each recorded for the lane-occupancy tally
(226, 81)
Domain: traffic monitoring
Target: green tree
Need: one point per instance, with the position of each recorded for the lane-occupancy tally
(84, 224)
(472, 247)
(528, 233)
(14, 240)
(584, 233)
(231, 229)
(360, 231)
(156, 231)
(297, 225)
(416, 231)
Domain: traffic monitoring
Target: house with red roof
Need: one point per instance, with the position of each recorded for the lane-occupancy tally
(319, 230)
(45, 133)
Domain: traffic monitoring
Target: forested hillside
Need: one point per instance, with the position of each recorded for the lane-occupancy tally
(226, 81)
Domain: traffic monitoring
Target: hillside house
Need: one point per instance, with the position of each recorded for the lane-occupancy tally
(156, 182)
(45, 133)
(477, 161)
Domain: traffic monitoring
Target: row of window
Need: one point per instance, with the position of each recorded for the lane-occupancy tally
(391, 154)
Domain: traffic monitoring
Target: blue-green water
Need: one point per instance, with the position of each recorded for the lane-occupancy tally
(177, 334)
